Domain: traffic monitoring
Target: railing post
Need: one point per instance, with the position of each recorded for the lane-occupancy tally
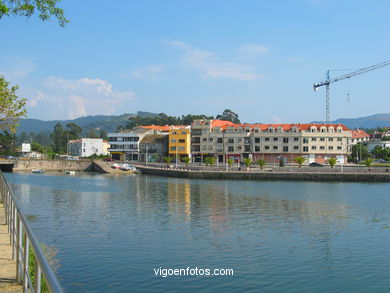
(18, 246)
(37, 287)
(25, 269)
(14, 212)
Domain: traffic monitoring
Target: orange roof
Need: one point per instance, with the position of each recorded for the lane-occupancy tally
(287, 127)
(358, 133)
(163, 128)
(221, 123)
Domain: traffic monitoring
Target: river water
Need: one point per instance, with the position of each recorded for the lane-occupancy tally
(112, 232)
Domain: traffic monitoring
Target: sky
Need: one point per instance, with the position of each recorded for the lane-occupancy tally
(258, 58)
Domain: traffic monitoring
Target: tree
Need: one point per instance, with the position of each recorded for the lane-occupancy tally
(7, 143)
(247, 162)
(229, 115)
(368, 163)
(281, 162)
(12, 107)
(230, 162)
(92, 134)
(332, 161)
(209, 161)
(168, 160)
(359, 152)
(73, 131)
(59, 138)
(44, 8)
(261, 163)
(187, 160)
(299, 161)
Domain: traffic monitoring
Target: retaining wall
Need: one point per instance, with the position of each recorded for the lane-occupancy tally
(53, 165)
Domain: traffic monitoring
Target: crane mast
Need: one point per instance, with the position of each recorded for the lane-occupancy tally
(328, 81)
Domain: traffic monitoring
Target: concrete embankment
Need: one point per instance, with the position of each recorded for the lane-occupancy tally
(295, 175)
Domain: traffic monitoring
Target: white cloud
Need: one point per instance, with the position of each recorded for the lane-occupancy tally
(150, 72)
(79, 97)
(252, 50)
(208, 64)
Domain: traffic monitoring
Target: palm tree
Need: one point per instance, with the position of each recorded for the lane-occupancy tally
(332, 161)
(247, 162)
(230, 162)
(299, 161)
(368, 163)
(261, 163)
(168, 160)
(187, 160)
(207, 161)
(211, 161)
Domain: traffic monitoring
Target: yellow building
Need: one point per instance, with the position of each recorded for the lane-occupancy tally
(179, 142)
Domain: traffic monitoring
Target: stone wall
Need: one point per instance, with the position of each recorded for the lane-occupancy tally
(53, 165)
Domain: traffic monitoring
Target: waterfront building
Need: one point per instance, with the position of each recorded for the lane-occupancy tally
(153, 147)
(180, 142)
(359, 136)
(272, 142)
(124, 146)
(86, 147)
(374, 143)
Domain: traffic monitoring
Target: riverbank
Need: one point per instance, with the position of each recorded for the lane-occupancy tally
(295, 174)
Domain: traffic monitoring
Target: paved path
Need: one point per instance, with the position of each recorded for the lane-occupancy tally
(7, 265)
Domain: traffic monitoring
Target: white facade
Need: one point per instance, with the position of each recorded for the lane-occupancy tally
(86, 147)
(373, 143)
(26, 147)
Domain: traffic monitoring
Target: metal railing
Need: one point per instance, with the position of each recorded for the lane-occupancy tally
(23, 243)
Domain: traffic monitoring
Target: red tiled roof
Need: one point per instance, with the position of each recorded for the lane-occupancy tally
(358, 133)
(287, 127)
(221, 123)
(163, 128)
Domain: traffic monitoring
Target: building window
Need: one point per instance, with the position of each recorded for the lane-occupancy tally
(173, 140)
(305, 148)
(296, 138)
(322, 139)
(330, 148)
(219, 140)
(231, 140)
(181, 148)
(247, 140)
(285, 149)
(174, 132)
(267, 139)
(239, 140)
(339, 147)
(322, 147)
(173, 148)
(330, 138)
(323, 130)
(313, 147)
(183, 132)
(257, 148)
(313, 139)
(266, 147)
(257, 140)
(275, 147)
(305, 140)
(230, 149)
(182, 140)
(285, 139)
(204, 139)
(275, 139)
(339, 139)
(210, 139)
(296, 147)
(239, 147)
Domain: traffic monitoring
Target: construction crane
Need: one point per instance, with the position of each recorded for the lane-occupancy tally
(328, 81)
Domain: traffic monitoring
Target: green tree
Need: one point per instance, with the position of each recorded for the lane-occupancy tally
(92, 134)
(359, 152)
(230, 162)
(44, 8)
(368, 163)
(12, 107)
(59, 139)
(332, 161)
(7, 143)
(229, 115)
(187, 160)
(73, 131)
(261, 163)
(247, 162)
(299, 161)
(281, 162)
(168, 160)
(103, 134)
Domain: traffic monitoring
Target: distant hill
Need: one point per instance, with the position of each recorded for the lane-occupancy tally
(373, 121)
(109, 123)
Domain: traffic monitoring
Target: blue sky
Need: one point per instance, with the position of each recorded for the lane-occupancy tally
(258, 58)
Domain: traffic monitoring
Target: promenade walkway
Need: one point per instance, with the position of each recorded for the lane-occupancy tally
(7, 265)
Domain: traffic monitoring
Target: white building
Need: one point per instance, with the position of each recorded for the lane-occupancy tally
(373, 143)
(86, 147)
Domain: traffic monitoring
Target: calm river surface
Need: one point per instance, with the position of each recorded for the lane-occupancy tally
(111, 232)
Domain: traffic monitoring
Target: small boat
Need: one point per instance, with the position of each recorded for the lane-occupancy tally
(127, 167)
(38, 171)
(70, 172)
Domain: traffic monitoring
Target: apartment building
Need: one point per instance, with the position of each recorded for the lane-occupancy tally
(124, 146)
(180, 142)
(272, 142)
(359, 136)
(86, 147)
